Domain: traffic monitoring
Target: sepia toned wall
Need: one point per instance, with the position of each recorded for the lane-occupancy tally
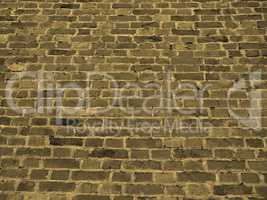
(133, 100)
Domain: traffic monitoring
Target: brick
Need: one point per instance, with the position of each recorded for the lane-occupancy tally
(123, 31)
(198, 190)
(224, 142)
(207, 11)
(139, 154)
(186, 60)
(45, 152)
(121, 5)
(65, 141)
(228, 177)
(94, 142)
(143, 143)
(142, 165)
(123, 18)
(145, 11)
(199, 177)
(14, 173)
(89, 175)
(87, 188)
(209, 25)
(193, 153)
(67, 6)
(252, 46)
(185, 32)
(258, 165)
(184, 18)
(39, 174)
(165, 177)
(189, 76)
(226, 165)
(62, 18)
(261, 190)
(109, 153)
(61, 52)
(121, 177)
(144, 189)
(60, 175)
(91, 197)
(114, 143)
(61, 163)
(26, 186)
(111, 164)
(255, 143)
(143, 177)
(224, 153)
(51, 186)
(250, 178)
(232, 190)
(262, 24)
(7, 185)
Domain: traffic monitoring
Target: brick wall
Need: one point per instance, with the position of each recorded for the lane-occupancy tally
(133, 100)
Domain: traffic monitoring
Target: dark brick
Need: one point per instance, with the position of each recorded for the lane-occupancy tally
(26, 186)
(199, 177)
(109, 153)
(61, 163)
(65, 141)
(90, 175)
(185, 32)
(56, 186)
(232, 190)
(91, 197)
(67, 6)
(192, 153)
(226, 165)
(144, 189)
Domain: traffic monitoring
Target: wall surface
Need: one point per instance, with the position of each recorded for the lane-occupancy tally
(133, 100)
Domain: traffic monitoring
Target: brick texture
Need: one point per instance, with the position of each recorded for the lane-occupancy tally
(133, 100)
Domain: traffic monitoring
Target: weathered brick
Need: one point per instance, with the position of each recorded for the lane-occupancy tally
(65, 141)
(60, 175)
(142, 165)
(89, 175)
(45, 152)
(61, 163)
(91, 197)
(143, 143)
(145, 11)
(226, 165)
(109, 153)
(7, 185)
(26, 186)
(250, 178)
(224, 142)
(198, 190)
(184, 18)
(258, 165)
(185, 32)
(52, 186)
(232, 190)
(192, 153)
(67, 6)
(144, 189)
(209, 25)
(255, 143)
(121, 177)
(39, 174)
(200, 177)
